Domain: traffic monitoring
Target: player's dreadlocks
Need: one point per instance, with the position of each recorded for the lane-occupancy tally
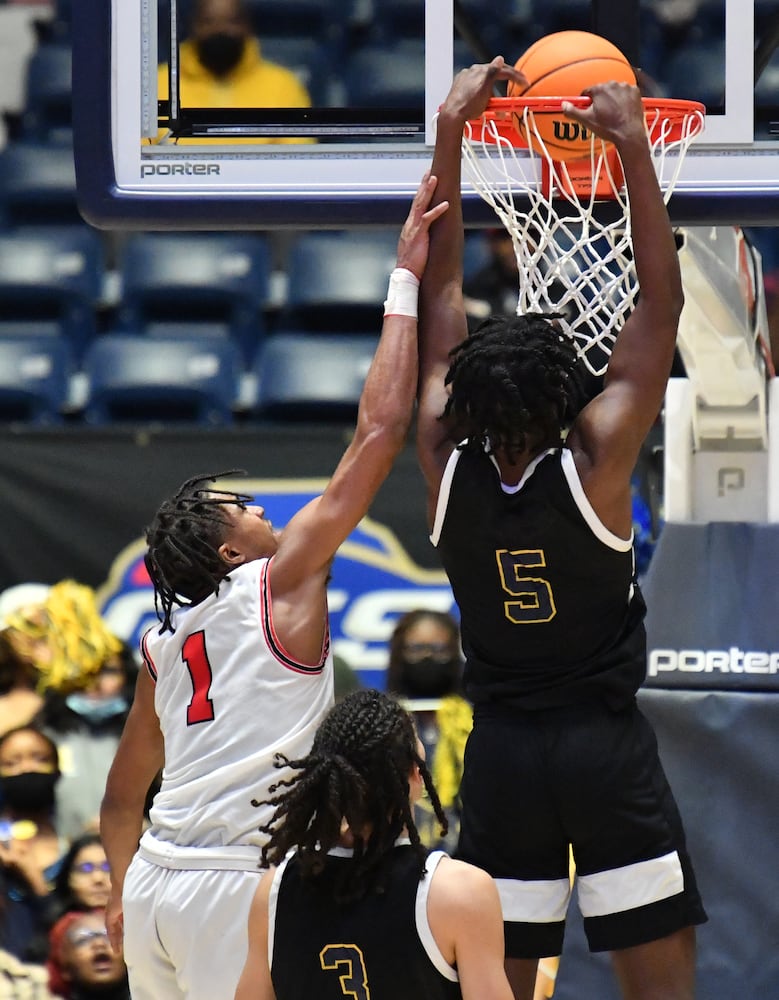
(514, 382)
(183, 540)
(358, 771)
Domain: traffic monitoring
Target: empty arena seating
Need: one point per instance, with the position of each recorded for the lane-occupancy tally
(53, 275)
(196, 278)
(303, 376)
(48, 116)
(35, 371)
(338, 281)
(37, 184)
(141, 380)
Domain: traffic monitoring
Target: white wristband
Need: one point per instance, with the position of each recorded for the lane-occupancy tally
(402, 294)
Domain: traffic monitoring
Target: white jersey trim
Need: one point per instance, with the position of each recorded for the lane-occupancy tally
(443, 496)
(423, 925)
(531, 468)
(273, 899)
(597, 527)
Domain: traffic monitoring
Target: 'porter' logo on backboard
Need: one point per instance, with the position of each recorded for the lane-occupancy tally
(178, 169)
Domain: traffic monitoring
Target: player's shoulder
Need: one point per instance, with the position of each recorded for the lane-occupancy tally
(461, 885)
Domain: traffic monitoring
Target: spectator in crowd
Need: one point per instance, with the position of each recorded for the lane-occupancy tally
(83, 881)
(357, 899)
(425, 672)
(82, 964)
(85, 675)
(19, 697)
(86, 725)
(22, 980)
(494, 289)
(29, 844)
(345, 678)
(221, 65)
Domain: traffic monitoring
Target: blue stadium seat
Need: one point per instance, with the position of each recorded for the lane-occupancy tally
(53, 275)
(48, 116)
(35, 371)
(697, 73)
(320, 19)
(312, 377)
(338, 281)
(563, 15)
(310, 59)
(386, 75)
(37, 185)
(194, 278)
(141, 380)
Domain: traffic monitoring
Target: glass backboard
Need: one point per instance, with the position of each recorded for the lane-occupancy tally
(366, 147)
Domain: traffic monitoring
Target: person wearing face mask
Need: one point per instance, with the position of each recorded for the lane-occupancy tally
(222, 66)
(29, 843)
(87, 724)
(424, 671)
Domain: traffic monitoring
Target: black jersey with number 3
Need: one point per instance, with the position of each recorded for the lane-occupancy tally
(551, 613)
(377, 948)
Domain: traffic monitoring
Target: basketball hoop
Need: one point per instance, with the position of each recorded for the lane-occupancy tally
(558, 241)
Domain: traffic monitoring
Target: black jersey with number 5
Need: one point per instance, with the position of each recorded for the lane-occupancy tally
(551, 613)
(377, 948)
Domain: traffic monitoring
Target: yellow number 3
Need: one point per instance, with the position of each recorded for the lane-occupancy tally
(533, 600)
(348, 961)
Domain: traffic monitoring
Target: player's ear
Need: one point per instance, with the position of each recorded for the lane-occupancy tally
(416, 785)
(230, 555)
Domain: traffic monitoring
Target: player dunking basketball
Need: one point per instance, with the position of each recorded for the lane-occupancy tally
(239, 670)
(534, 531)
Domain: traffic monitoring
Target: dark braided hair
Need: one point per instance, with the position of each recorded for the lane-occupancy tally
(358, 771)
(183, 540)
(514, 383)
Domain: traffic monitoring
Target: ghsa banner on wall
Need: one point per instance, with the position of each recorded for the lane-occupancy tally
(373, 582)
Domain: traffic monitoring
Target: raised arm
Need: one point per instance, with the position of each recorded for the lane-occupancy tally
(608, 434)
(443, 322)
(311, 538)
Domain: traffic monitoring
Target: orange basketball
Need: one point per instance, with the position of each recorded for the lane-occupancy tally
(563, 65)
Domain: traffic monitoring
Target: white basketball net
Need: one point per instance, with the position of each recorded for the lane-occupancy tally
(568, 260)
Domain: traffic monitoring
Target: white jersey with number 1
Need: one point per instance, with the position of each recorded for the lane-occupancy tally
(229, 698)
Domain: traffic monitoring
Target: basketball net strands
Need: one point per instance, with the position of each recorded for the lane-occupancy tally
(571, 258)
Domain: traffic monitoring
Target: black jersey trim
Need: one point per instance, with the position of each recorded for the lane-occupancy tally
(148, 662)
(274, 643)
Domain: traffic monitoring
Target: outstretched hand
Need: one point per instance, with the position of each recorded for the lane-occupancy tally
(473, 87)
(615, 113)
(414, 241)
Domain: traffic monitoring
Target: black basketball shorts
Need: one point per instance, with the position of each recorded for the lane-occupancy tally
(586, 783)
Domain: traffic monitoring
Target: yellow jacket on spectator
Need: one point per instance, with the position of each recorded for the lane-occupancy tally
(254, 83)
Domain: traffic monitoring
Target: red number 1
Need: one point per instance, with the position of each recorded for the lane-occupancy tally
(193, 653)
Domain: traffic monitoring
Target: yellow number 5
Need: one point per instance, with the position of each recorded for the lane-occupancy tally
(533, 601)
